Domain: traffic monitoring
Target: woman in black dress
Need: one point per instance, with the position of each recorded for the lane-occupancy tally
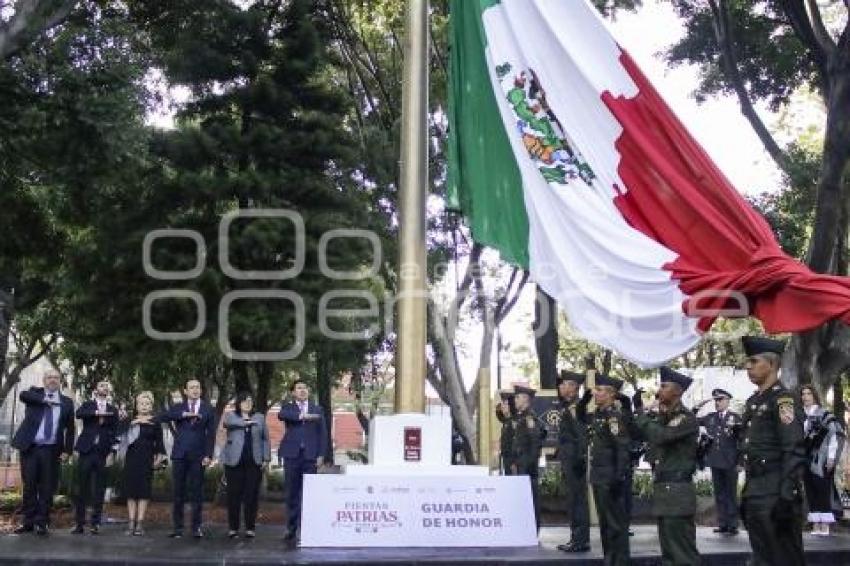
(144, 450)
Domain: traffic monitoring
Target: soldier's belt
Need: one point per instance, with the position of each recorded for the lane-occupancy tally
(671, 476)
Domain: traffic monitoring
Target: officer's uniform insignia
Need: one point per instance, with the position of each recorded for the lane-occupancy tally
(786, 410)
(614, 426)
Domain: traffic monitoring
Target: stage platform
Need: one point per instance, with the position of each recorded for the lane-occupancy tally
(113, 547)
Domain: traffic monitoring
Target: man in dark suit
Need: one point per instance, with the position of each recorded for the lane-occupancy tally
(303, 448)
(100, 423)
(723, 428)
(194, 438)
(45, 437)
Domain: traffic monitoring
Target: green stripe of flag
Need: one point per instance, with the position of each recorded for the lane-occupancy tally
(484, 181)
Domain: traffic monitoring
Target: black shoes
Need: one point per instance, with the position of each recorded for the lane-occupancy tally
(41, 530)
(176, 534)
(198, 533)
(94, 529)
(732, 531)
(23, 529)
(721, 530)
(574, 547)
(77, 530)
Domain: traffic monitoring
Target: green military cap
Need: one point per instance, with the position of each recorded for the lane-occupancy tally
(755, 345)
(602, 379)
(667, 375)
(570, 376)
(522, 389)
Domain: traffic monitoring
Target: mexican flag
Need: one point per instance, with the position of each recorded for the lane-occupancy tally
(564, 158)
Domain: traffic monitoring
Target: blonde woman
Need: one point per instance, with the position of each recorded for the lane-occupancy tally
(145, 450)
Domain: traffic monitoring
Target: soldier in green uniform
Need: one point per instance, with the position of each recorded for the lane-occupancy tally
(528, 435)
(774, 460)
(671, 430)
(572, 454)
(505, 412)
(609, 441)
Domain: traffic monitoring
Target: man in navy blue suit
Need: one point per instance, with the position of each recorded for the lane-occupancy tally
(303, 448)
(45, 437)
(100, 424)
(194, 438)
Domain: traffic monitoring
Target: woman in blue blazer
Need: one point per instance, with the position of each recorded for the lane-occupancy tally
(244, 454)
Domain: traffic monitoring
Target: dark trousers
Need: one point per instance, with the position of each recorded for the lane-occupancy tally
(819, 491)
(613, 523)
(725, 482)
(628, 496)
(40, 474)
(243, 489)
(295, 468)
(91, 482)
(575, 476)
(678, 536)
(774, 543)
(187, 478)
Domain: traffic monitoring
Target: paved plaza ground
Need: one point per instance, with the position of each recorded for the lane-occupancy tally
(113, 547)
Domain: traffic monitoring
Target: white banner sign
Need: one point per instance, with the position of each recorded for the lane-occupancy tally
(362, 511)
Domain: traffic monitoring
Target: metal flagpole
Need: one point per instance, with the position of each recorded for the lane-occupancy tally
(412, 299)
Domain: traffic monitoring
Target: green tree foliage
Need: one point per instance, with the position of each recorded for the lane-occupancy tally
(767, 50)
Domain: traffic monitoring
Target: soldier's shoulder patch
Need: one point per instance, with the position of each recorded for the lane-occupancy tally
(786, 409)
(677, 420)
(614, 425)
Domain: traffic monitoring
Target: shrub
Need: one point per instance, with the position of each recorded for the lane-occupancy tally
(552, 482)
(275, 480)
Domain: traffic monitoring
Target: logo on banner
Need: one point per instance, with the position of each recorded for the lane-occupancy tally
(366, 516)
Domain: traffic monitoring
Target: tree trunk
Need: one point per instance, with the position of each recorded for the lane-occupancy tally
(324, 382)
(265, 372)
(820, 356)
(241, 377)
(546, 338)
(839, 408)
(7, 311)
(449, 384)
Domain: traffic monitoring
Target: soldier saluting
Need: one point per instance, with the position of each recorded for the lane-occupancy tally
(528, 435)
(723, 428)
(572, 454)
(609, 441)
(671, 430)
(774, 459)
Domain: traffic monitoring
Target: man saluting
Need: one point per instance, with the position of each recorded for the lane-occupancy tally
(45, 437)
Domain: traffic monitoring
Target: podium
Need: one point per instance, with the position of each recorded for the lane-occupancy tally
(411, 496)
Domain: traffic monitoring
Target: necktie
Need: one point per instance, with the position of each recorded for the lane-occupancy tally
(48, 421)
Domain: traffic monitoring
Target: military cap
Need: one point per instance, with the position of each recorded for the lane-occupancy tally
(570, 376)
(667, 375)
(602, 379)
(755, 345)
(523, 389)
(506, 395)
(720, 393)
